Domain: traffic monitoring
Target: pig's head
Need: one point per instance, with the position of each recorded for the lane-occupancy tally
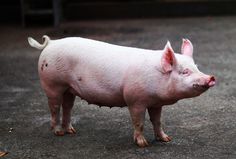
(185, 80)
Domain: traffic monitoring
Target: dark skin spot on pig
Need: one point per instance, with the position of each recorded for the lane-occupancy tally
(44, 64)
(80, 79)
(42, 67)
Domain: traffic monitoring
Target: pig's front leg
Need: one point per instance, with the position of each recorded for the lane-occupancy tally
(155, 117)
(137, 113)
(68, 102)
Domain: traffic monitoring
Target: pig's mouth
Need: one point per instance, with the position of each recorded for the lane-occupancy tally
(201, 88)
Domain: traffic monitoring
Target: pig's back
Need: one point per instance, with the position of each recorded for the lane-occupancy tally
(87, 48)
(85, 55)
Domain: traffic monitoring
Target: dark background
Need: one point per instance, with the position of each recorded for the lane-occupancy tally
(11, 10)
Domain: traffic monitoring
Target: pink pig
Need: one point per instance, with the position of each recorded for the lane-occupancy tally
(111, 75)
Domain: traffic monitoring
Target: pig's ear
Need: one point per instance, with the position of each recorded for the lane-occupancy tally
(187, 48)
(168, 60)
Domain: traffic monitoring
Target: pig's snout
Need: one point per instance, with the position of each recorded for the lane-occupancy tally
(211, 82)
(205, 83)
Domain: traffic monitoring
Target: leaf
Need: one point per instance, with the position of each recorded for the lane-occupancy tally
(3, 153)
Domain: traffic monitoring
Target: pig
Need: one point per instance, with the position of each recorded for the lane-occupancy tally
(110, 75)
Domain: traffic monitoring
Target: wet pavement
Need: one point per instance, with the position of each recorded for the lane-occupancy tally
(202, 127)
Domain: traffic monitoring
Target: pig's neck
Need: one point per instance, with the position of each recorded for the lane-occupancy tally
(170, 94)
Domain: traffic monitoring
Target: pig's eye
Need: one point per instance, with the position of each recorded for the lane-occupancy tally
(186, 72)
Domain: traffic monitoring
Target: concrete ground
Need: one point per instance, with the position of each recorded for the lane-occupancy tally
(203, 127)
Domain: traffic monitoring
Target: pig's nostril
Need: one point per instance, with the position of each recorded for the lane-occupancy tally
(212, 81)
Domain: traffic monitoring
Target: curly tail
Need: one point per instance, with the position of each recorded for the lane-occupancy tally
(37, 45)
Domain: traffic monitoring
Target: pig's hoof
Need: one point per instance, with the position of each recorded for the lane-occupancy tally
(165, 138)
(71, 130)
(58, 131)
(141, 141)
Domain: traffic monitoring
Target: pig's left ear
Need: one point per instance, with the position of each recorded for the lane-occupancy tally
(187, 48)
(168, 60)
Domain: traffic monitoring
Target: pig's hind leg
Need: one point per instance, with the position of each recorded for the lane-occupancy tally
(54, 93)
(155, 117)
(68, 102)
(54, 105)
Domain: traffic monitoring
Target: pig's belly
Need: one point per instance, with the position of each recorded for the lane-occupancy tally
(100, 97)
